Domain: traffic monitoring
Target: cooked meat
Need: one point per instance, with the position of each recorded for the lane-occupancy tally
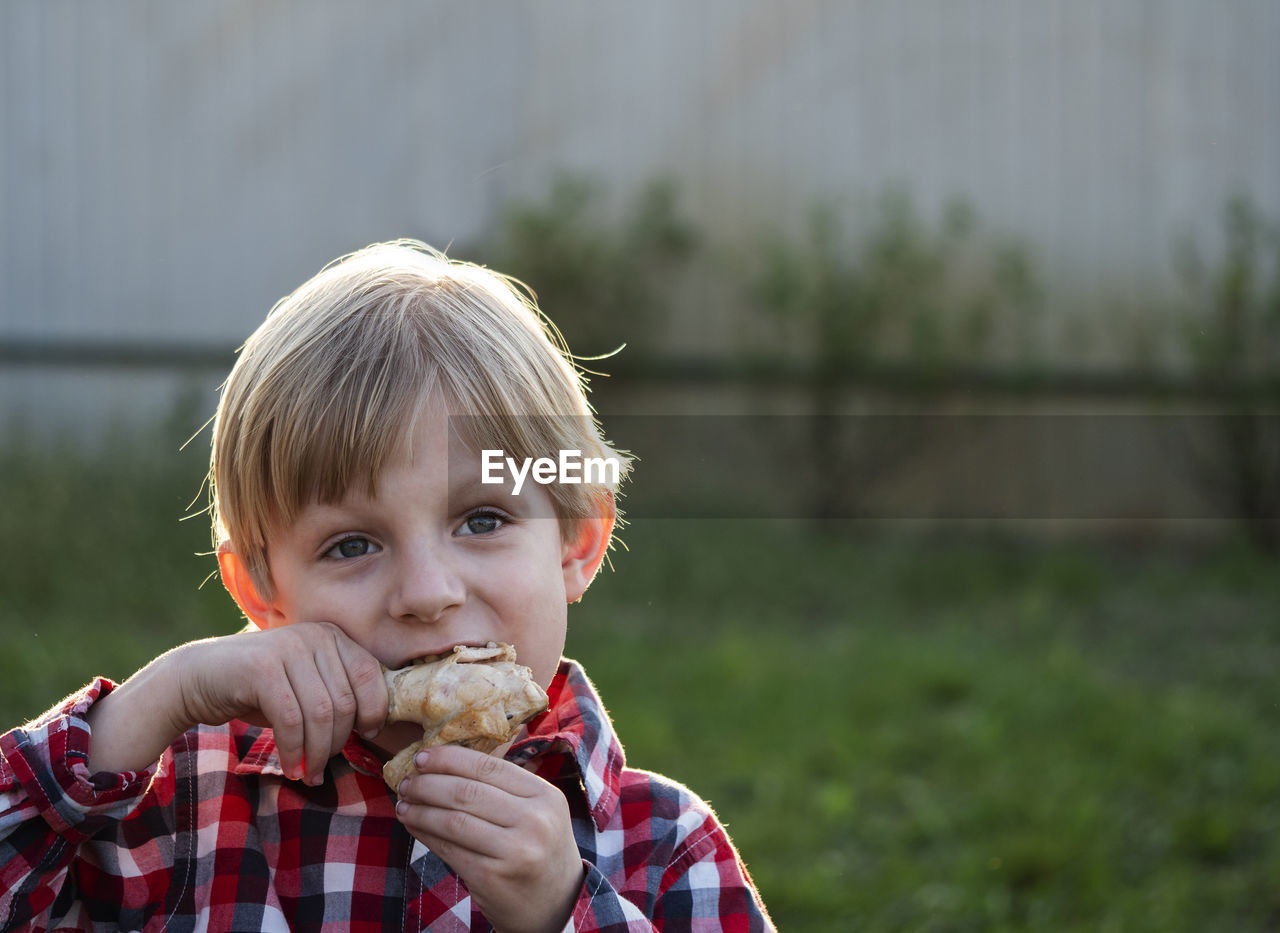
(477, 697)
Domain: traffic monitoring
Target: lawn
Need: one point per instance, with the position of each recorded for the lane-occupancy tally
(903, 732)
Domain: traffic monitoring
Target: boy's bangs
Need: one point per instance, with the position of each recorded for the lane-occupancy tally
(348, 434)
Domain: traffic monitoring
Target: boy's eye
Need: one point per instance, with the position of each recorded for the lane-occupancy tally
(351, 547)
(482, 523)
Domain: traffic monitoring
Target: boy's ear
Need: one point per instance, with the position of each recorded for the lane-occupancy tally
(239, 583)
(583, 555)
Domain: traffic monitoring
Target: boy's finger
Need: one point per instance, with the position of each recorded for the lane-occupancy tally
(364, 675)
(454, 831)
(477, 766)
(342, 699)
(448, 792)
(317, 715)
(284, 715)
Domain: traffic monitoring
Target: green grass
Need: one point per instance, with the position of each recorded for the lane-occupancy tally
(902, 733)
(960, 734)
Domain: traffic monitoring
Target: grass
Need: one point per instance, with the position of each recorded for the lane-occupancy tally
(903, 733)
(960, 735)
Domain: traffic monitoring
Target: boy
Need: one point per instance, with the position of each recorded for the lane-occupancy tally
(235, 782)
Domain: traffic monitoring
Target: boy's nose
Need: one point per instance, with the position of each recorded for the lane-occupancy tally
(426, 587)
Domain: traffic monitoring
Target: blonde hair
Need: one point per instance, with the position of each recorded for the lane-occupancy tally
(327, 389)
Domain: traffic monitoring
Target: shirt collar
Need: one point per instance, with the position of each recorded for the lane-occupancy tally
(574, 726)
(264, 758)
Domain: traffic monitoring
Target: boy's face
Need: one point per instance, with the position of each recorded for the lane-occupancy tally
(435, 559)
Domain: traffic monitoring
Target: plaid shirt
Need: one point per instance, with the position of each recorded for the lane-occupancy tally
(215, 837)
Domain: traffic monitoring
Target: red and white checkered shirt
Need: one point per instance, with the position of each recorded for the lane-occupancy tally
(215, 837)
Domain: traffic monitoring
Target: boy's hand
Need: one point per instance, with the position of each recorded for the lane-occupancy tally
(308, 681)
(504, 830)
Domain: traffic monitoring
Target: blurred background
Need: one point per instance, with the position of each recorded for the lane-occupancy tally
(952, 360)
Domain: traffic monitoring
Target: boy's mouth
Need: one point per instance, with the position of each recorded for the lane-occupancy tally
(438, 654)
